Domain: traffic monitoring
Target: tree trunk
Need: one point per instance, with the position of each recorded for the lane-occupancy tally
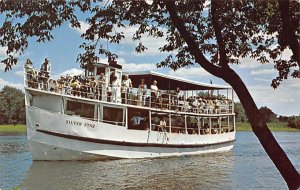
(260, 129)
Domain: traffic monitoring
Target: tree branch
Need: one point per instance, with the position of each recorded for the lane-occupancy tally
(288, 32)
(192, 45)
(217, 28)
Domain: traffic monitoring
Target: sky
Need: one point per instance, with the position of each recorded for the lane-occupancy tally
(64, 48)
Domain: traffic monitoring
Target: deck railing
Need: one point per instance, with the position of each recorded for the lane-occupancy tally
(163, 100)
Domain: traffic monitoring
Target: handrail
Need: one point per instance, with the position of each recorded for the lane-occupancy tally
(165, 101)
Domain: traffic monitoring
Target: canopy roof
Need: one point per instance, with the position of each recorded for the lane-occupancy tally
(167, 82)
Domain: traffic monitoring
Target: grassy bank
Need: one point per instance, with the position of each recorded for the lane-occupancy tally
(13, 128)
(240, 126)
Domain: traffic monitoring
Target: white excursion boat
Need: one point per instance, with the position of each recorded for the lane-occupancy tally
(100, 116)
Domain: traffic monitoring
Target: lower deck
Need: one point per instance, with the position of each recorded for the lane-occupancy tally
(133, 118)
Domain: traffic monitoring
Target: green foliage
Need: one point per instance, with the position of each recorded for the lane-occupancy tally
(267, 114)
(24, 19)
(240, 115)
(12, 106)
(294, 122)
(247, 28)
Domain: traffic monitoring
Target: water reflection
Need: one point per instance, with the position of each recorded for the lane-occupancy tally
(189, 172)
(245, 167)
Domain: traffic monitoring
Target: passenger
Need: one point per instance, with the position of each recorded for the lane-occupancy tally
(51, 85)
(163, 124)
(141, 94)
(126, 89)
(176, 96)
(84, 88)
(109, 93)
(29, 72)
(217, 105)
(154, 93)
(67, 85)
(195, 105)
(101, 86)
(45, 73)
(180, 103)
(35, 79)
(186, 106)
(211, 106)
(137, 120)
(93, 87)
(55, 86)
(201, 106)
(75, 87)
(61, 85)
(115, 89)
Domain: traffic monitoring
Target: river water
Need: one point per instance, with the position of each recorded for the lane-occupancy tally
(245, 167)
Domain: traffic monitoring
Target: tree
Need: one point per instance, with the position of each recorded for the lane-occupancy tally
(240, 114)
(294, 122)
(214, 39)
(267, 114)
(12, 106)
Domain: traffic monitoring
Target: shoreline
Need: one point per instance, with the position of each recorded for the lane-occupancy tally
(240, 126)
(276, 126)
(13, 129)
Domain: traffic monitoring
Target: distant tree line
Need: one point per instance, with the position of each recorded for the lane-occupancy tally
(12, 106)
(293, 121)
(268, 115)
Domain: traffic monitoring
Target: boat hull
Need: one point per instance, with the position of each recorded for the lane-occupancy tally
(50, 152)
(54, 136)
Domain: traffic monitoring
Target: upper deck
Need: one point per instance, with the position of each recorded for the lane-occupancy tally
(173, 93)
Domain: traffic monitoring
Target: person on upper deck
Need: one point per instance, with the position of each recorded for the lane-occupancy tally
(29, 70)
(75, 87)
(126, 88)
(141, 93)
(46, 68)
(101, 86)
(115, 89)
(28, 65)
(93, 87)
(45, 73)
(154, 93)
(176, 96)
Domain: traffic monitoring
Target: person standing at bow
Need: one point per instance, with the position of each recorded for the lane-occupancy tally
(45, 73)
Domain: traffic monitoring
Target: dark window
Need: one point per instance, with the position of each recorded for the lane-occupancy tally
(138, 119)
(156, 117)
(80, 109)
(100, 70)
(113, 115)
(178, 123)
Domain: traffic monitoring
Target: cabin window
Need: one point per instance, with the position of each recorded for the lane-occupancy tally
(156, 117)
(192, 124)
(80, 109)
(113, 116)
(100, 70)
(177, 123)
(138, 119)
